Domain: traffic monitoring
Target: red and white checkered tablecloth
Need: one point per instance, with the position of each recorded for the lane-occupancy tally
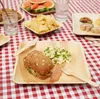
(10, 90)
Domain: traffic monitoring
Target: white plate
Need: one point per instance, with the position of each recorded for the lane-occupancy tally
(76, 23)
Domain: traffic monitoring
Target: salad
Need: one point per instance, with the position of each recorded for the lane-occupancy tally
(58, 55)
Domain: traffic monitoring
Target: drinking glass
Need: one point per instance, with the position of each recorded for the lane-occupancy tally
(10, 19)
(61, 10)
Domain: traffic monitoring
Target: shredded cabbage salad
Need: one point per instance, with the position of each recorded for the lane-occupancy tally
(58, 55)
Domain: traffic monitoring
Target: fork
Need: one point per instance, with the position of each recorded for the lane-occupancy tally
(71, 72)
(92, 38)
(32, 43)
(96, 44)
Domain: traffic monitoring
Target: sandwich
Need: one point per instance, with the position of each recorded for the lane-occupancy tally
(38, 64)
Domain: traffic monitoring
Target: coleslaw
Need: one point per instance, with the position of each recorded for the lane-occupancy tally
(58, 55)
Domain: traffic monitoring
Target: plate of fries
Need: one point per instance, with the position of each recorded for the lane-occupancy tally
(42, 24)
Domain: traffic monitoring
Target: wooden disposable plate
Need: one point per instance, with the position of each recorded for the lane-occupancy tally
(4, 39)
(18, 20)
(35, 14)
(78, 64)
(27, 25)
(76, 23)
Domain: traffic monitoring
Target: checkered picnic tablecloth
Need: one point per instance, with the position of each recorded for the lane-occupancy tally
(10, 90)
